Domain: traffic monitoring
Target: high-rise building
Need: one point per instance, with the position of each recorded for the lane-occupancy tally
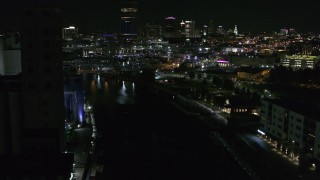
(190, 29)
(211, 28)
(170, 24)
(31, 103)
(220, 30)
(205, 30)
(152, 31)
(235, 31)
(69, 33)
(128, 19)
(42, 76)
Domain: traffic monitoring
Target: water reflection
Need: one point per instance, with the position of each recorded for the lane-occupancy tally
(101, 88)
(124, 96)
(98, 82)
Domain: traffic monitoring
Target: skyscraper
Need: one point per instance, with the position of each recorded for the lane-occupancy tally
(211, 28)
(235, 31)
(170, 24)
(31, 104)
(128, 21)
(190, 29)
(69, 33)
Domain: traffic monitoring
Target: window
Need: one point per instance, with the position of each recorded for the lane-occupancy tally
(298, 127)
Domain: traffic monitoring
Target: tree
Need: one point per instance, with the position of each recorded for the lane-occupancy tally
(191, 74)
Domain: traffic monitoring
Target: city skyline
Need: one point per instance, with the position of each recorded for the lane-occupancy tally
(250, 16)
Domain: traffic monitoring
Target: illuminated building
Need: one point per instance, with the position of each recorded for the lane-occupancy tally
(170, 27)
(190, 29)
(220, 30)
(205, 30)
(182, 28)
(292, 127)
(299, 61)
(70, 33)
(170, 24)
(110, 45)
(128, 24)
(235, 31)
(152, 31)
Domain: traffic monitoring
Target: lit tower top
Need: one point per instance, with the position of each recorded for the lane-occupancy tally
(235, 31)
(182, 23)
(128, 18)
(170, 24)
(69, 33)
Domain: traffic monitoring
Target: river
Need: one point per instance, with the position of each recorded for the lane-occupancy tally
(145, 137)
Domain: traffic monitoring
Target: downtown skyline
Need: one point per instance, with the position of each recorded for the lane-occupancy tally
(249, 15)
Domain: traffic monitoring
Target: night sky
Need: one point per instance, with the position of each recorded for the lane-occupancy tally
(249, 15)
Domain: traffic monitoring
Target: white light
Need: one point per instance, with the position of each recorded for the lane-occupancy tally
(261, 132)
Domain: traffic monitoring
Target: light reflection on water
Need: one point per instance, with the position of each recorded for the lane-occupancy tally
(102, 89)
(125, 96)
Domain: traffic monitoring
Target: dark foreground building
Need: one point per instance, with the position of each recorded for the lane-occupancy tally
(31, 104)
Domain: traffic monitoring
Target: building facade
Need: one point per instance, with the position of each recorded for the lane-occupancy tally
(128, 19)
(293, 127)
(299, 61)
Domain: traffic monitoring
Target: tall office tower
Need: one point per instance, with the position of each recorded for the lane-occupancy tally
(128, 19)
(170, 24)
(42, 79)
(211, 28)
(152, 31)
(31, 104)
(190, 29)
(182, 28)
(235, 31)
(205, 30)
(220, 30)
(69, 33)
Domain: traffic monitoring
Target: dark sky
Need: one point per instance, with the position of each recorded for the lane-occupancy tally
(249, 15)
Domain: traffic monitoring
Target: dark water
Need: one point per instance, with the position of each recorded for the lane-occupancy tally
(145, 137)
